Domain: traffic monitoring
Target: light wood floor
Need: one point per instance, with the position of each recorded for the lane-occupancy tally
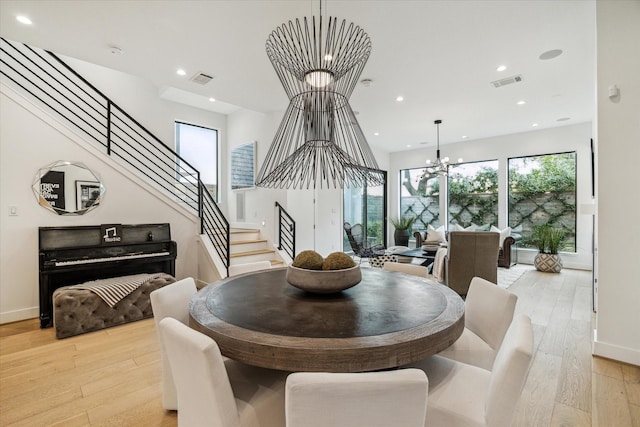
(112, 377)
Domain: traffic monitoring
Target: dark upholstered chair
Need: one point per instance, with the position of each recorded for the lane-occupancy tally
(508, 254)
(360, 247)
(471, 254)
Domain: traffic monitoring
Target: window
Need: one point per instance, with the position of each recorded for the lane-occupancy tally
(473, 194)
(366, 206)
(419, 197)
(542, 191)
(198, 146)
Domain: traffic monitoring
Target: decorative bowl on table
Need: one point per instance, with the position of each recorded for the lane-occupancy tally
(311, 273)
(323, 281)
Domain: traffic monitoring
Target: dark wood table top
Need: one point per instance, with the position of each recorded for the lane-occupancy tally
(389, 319)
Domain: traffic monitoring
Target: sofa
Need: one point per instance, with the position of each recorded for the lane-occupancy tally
(507, 255)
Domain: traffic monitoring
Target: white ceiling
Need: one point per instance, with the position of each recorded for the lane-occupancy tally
(439, 55)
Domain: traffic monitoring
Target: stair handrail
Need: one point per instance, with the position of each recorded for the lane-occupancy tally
(122, 135)
(286, 232)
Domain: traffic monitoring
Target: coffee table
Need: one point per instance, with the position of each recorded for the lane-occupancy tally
(427, 256)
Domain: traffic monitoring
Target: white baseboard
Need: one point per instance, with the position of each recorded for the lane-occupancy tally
(17, 315)
(612, 351)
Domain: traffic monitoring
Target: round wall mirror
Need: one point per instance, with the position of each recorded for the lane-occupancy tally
(68, 188)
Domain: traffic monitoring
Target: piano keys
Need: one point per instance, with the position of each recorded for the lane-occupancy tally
(73, 255)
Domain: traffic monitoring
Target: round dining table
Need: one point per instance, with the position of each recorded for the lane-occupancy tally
(387, 320)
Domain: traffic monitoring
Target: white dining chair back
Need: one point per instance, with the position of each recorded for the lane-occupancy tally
(372, 399)
(466, 395)
(248, 267)
(415, 270)
(215, 391)
(205, 397)
(488, 313)
(509, 372)
(171, 301)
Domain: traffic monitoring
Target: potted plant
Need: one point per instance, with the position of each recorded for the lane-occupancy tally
(403, 229)
(548, 241)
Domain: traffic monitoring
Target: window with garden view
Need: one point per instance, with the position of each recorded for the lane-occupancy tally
(419, 198)
(473, 194)
(542, 192)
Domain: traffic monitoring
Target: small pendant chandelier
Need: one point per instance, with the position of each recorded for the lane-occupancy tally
(319, 141)
(440, 166)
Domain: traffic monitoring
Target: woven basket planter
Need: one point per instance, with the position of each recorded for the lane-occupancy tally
(548, 263)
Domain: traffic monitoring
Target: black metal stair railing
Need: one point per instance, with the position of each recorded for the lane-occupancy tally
(49, 82)
(286, 232)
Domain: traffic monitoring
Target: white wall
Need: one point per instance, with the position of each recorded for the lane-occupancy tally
(141, 99)
(618, 197)
(28, 143)
(546, 141)
(242, 127)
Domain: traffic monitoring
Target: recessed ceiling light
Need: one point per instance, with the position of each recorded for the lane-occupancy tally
(408, 145)
(181, 72)
(534, 125)
(501, 68)
(521, 102)
(464, 137)
(400, 99)
(376, 133)
(550, 54)
(563, 119)
(212, 100)
(23, 20)
(328, 57)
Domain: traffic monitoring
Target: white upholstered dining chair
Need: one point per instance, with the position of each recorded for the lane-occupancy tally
(171, 301)
(465, 395)
(213, 391)
(413, 269)
(488, 313)
(372, 399)
(248, 267)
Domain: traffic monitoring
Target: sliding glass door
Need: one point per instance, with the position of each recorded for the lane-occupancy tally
(367, 205)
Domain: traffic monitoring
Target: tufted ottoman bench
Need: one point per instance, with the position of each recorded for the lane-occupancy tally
(76, 311)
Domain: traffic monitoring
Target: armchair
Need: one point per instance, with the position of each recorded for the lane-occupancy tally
(360, 247)
(471, 254)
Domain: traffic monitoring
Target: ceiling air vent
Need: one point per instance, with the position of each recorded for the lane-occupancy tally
(201, 78)
(507, 81)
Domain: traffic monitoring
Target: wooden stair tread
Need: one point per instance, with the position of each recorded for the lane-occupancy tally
(240, 242)
(243, 230)
(258, 252)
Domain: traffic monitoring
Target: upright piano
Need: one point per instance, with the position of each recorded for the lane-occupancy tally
(73, 255)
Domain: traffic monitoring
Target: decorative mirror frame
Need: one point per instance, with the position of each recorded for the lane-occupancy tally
(88, 188)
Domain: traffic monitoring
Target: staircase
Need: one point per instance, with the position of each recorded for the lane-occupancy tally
(248, 246)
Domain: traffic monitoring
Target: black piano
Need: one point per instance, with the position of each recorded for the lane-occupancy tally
(73, 255)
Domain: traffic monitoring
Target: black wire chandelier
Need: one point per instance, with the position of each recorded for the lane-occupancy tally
(440, 166)
(319, 141)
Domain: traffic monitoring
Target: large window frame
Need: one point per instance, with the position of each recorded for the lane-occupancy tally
(364, 194)
(523, 222)
(188, 136)
(482, 188)
(425, 188)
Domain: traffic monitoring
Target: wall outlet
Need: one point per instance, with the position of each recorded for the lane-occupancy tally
(13, 211)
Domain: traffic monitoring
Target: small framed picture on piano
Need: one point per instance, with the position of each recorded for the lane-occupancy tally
(87, 192)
